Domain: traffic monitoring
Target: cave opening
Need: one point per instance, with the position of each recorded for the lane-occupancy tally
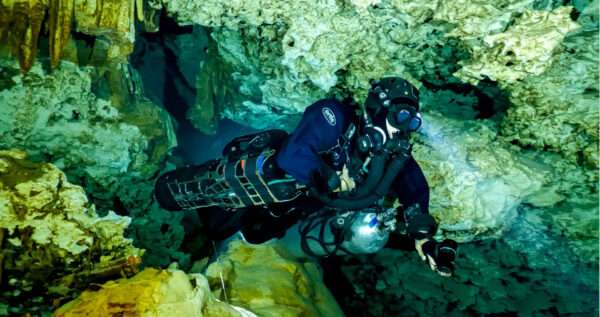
(169, 62)
(487, 100)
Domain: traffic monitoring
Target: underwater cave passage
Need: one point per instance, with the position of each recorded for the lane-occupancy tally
(491, 100)
(166, 77)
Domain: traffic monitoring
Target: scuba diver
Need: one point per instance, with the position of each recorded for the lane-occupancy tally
(326, 189)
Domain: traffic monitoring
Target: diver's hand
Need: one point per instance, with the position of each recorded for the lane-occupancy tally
(346, 182)
(428, 256)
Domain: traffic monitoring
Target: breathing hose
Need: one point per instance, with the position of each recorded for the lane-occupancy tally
(373, 178)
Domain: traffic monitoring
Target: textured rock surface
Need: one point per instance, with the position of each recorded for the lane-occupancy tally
(161, 233)
(478, 180)
(557, 110)
(114, 146)
(302, 50)
(526, 48)
(150, 293)
(53, 240)
(464, 162)
(263, 280)
(56, 117)
(110, 21)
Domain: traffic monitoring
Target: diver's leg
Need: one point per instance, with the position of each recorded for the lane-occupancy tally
(175, 188)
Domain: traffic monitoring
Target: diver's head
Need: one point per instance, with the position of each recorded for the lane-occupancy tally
(394, 104)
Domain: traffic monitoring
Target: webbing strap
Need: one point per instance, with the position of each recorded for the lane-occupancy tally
(235, 184)
(251, 172)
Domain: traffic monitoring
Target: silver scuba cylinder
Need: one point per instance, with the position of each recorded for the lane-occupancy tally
(332, 233)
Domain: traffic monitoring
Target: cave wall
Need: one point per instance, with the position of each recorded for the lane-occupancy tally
(53, 241)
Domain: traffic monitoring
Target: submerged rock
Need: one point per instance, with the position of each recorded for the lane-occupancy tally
(152, 292)
(494, 277)
(519, 51)
(557, 110)
(22, 23)
(97, 127)
(302, 51)
(244, 281)
(478, 181)
(53, 241)
(112, 148)
(262, 279)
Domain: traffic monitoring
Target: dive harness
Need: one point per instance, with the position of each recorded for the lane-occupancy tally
(377, 184)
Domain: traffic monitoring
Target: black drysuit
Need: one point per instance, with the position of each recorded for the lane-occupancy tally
(319, 130)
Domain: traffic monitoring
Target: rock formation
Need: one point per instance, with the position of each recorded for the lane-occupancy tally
(269, 283)
(112, 22)
(244, 280)
(53, 241)
(152, 292)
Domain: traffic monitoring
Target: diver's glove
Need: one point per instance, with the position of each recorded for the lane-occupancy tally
(439, 256)
(419, 225)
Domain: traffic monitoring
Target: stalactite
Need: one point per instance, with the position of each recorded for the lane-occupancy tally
(22, 22)
(60, 19)
(20, 26)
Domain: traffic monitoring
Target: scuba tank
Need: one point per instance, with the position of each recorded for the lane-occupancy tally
(331, 232)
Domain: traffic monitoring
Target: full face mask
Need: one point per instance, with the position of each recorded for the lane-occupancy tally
(400, 100)
(403, 118)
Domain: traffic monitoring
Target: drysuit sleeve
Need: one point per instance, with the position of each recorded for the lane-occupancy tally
(410, 186)
(319, 129)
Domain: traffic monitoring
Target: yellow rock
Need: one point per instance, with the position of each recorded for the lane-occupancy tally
(151, 293)
(263, 280)
(112, 21)
(52, 230)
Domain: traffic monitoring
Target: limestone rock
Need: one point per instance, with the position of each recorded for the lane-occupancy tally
(476, 182)
(302, 50)
(20, 26)
(112, 22)
(479, 182)
(281, 288)
(215, 89)
(161, 233)
(266, 282)
(156, 293)
(472, 20)
(114, 146)
(558, 109)
(108, 147)
(363, 4)
(525, 48)
(305, 51)
(54, 239)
